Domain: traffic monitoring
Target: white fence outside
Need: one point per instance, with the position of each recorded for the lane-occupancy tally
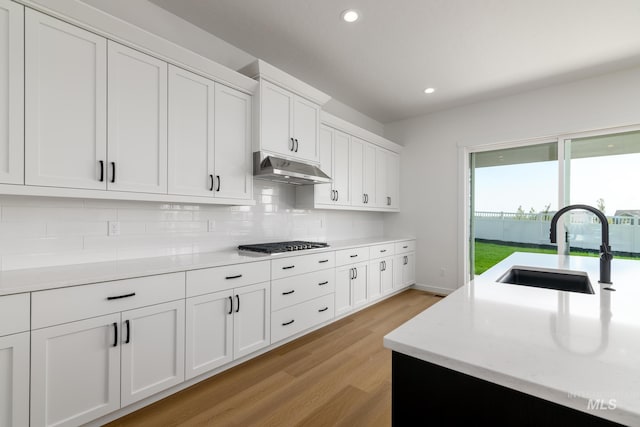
(583, 227)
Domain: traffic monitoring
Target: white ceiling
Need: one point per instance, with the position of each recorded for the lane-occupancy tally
(469, 50)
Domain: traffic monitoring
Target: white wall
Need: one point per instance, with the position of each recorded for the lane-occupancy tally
(430, 174)
(40, 231)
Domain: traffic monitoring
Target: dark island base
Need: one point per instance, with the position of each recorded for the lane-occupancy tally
(424, 394)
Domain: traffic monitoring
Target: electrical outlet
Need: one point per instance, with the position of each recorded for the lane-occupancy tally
(114, 228)
(211, 225)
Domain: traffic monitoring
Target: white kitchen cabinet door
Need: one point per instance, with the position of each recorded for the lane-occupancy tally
(359, 284)
(323, 193)
(356, 172)
(382, 174)
(65, 104)
(152, 342)
(191, 133)
(306, 123)
(233, 161)
(276, 119)
(393, 180)
(137, 116)
(251, 318)
(14, 380)
(209, 332)
(404, 270)
(11, 93)
(369, 175)
(344, 298)
(341, 155)
(386, 276)
(75, 371)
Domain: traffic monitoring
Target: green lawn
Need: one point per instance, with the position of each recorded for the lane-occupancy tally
(489, 254)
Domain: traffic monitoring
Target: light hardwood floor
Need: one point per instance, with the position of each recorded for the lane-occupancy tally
(339, 375)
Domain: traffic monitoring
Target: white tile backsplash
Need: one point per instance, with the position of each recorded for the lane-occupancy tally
(42, 231)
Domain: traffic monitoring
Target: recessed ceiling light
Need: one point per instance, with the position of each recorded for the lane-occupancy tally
(350, 15)
(610, 146)
(429, 90)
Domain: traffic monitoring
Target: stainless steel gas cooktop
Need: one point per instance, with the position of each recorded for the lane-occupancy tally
(280, 247)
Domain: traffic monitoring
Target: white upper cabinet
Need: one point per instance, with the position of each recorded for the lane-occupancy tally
(306, 124)
(289, 124)
(369, 175)
(276, 119)
(209, 138)
(334, 161)
(11, 93)
(387, 179)
(232, 162)
(191, 133)
(65, 104)
(287, 114)
(137, 113)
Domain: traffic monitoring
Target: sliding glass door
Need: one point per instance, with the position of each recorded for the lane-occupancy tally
(514, 192)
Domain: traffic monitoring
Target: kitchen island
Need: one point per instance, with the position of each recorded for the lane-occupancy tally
(500, 354)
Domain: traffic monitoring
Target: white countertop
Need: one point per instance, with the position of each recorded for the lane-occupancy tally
(37, 279)
(554, 345)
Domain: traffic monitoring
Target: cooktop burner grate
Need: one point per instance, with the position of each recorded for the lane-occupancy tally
(279, 247)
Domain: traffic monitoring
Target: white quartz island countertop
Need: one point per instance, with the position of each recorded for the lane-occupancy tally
(37, 279)
(578, 350)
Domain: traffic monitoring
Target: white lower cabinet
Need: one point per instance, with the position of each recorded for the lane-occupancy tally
(14, 380)
(84, 367)
(404, 270)
(75, 371)
(226, 325)
(380, 277)
(351, 287)
(297, 318)
(152, 343)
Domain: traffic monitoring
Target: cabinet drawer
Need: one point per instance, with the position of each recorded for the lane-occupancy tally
(293, 290)
(379, 251)
(81, 302)
(351, 256)
(291, 266)
(14, 314)
(205, 281)
(291, 320)
(406, 246)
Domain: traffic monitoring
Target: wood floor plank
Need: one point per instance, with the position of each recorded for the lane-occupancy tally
(338, 375)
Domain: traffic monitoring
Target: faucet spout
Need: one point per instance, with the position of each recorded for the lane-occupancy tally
(605, 250)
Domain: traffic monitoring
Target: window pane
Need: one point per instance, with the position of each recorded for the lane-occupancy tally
(603, 172)
(514, 193)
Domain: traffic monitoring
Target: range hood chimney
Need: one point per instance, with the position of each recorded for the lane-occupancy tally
(272, 168)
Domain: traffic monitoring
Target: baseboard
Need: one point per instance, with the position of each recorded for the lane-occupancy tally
(433, 289)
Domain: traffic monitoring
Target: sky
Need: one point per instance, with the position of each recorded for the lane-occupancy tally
(616, 179)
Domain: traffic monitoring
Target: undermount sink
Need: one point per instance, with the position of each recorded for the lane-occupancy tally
(561, 280)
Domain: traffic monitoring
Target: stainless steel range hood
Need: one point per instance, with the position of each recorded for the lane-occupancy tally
(277, 169)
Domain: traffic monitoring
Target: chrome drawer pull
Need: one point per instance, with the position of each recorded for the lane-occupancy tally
(121, 296)
(288, 323)
(323, 309)
(289, 292)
